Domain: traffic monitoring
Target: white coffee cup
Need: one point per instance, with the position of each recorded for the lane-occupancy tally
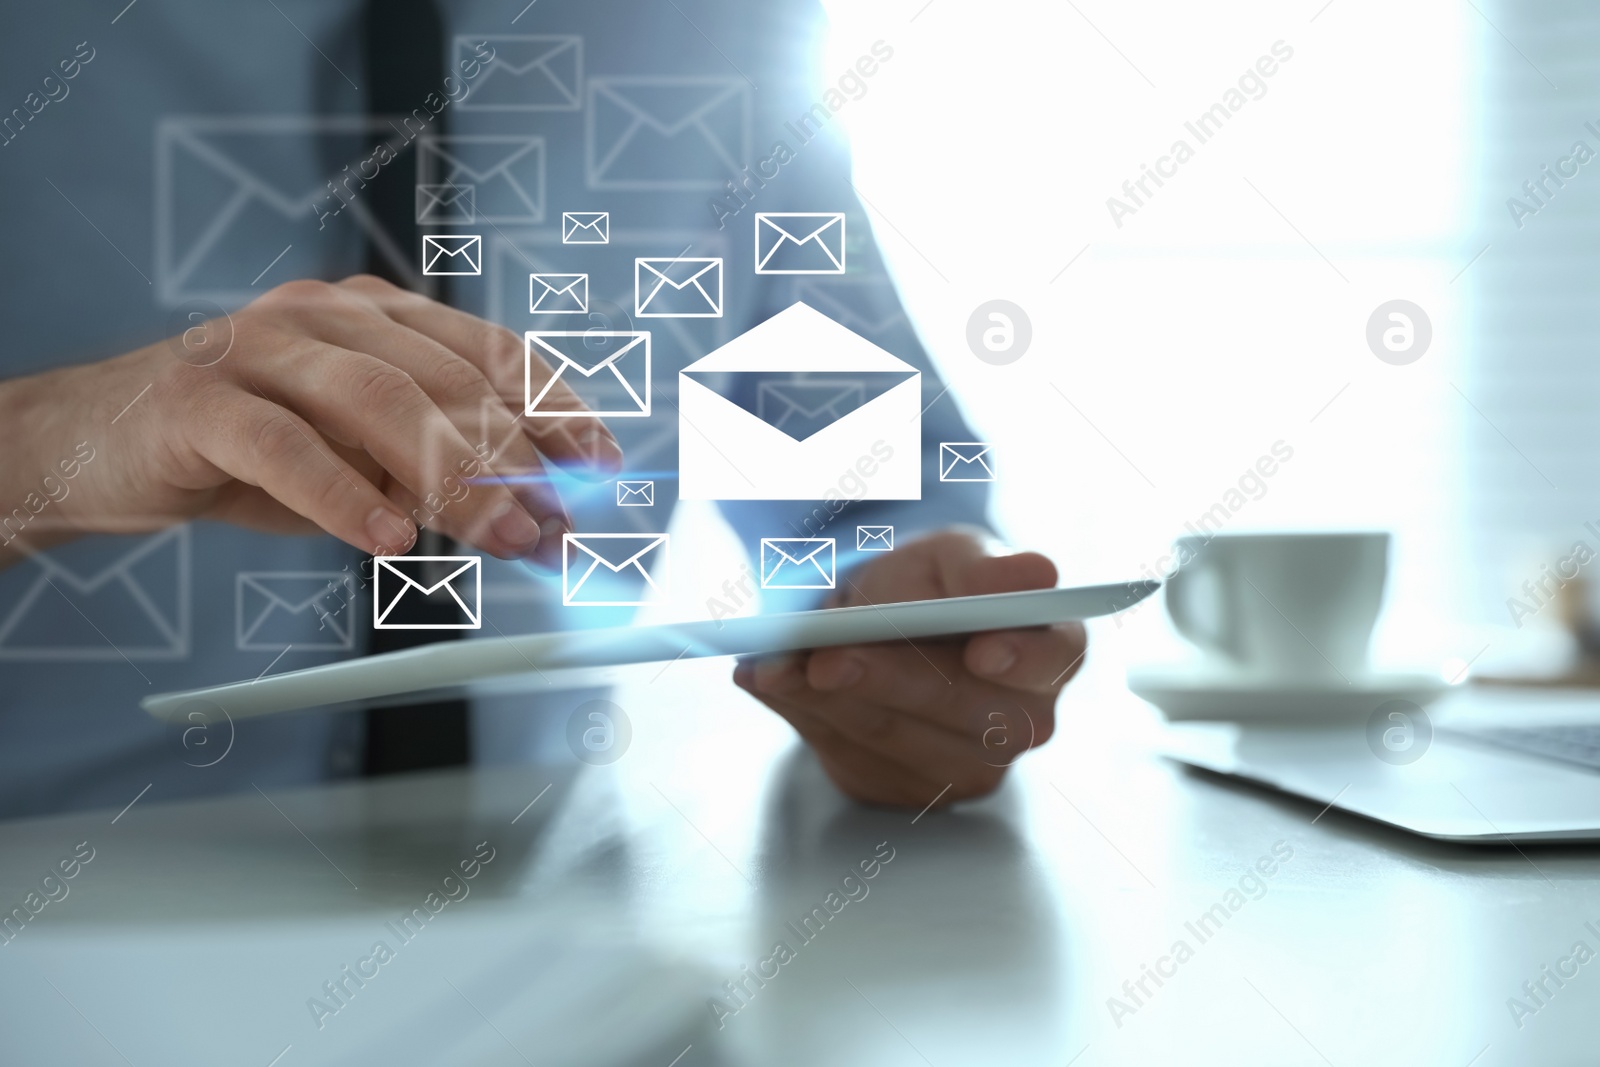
(1296, 607)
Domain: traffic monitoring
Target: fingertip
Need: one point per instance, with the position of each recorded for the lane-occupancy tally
(778, 675)
(1018, 572)
(390, 533)
(831, 671)
(990, 656)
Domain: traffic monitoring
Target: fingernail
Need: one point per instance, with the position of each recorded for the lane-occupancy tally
(774, 676)
(842, 675)
(995, 658)
(551, 531)
(391, 533)
(514, 527)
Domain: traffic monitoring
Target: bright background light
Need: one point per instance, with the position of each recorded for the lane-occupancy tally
(1229, 312)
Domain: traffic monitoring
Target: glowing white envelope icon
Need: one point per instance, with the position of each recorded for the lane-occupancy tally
(874, 538)
(797, 562)
(966, 461)
(612, 570)
(529, 72)
(683, 133)
(452, 254)
(273, 609)
(507, 172)
(585, 227)
(869, 305)
(636, 494)
(807, 242)
(135, 590)
(617, 362)
(726, 452)
(446, 204)
(558, 294)
(405, 579)
(677, 288)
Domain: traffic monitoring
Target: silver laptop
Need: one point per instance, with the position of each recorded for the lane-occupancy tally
(1486, 767)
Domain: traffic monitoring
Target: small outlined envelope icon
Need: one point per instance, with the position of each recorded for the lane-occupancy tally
(636, 494)
(446, 204)
(276, 609)
(612, 570)
(803, 406)
(100, 598)
(807, 242)
(726, 451)
(506, 172)
(677, 288)
(797, 562)
(558, 294)
(874, 538)
(586, 227)
(448, 580)
(608, 369)
(966, 461)
(528, 72)
(451, 254)
(683, 133)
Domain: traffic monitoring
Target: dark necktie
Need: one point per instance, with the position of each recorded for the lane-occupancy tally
(404, 47)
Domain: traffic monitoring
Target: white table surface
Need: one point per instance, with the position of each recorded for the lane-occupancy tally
(623, 899)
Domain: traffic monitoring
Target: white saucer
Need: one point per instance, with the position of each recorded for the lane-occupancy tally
(1185, 693)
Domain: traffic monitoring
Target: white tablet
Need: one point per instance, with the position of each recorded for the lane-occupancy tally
(454, 663)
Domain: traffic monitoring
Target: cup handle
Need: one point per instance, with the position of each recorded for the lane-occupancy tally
(1211, 635)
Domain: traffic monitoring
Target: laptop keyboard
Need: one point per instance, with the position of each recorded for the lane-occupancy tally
(1578, 744)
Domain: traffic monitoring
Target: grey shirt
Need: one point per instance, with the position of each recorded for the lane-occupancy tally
(185, 165)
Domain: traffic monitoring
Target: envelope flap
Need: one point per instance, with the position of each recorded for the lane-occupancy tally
(966, 452)
(679, 273)
(618, 551)
(519, 55)
(875, 531)
(422, 573)
(297, 592)
(587, 220)
(448, 193)
(452, 244)
(586, 351)
(145, 562)
(559, 283)
(800, 338)
(668, 105)
(635, 487)
(816, 397)
(265, 154)
(480, 156)
(797, 549)
(799, 228)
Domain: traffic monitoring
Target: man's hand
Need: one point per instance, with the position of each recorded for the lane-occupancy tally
(897, 723)
(357, 408)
